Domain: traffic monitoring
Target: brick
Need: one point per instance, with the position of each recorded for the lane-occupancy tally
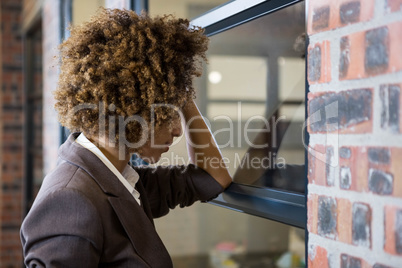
(353, 172)
(329, 170)
(353, 113)
(395, 47)
(379, 155)
(393, 230)
(380, 182)
(320, 171)
(376, 50)
(361, 225)
(319, 63)
(345, 152)
(317, 165)
(398, 232)
(329, 15)
(350, 12)
(373, 52)
(345, 178)
(312, 213)
(396, 170)
(390, 103)
(353, 48)
(379, 265)
(350, 262)
(314, 66)
(317, 257)
(344, 59)
(321, 18)
(366, 10)
(344, 221)
(393, 6)
(327, 217)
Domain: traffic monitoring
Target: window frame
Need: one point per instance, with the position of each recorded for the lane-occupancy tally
(66, 15)
(29, 69)
(278, 205)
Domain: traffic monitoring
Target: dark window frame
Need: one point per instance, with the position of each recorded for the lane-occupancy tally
(30, 97)
(278, 205)
(66, 18)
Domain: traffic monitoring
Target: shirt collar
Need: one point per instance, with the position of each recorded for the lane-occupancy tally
(129, 177)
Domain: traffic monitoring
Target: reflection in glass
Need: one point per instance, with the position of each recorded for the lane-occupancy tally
(241, 240)
(255, 91)
(254, 76)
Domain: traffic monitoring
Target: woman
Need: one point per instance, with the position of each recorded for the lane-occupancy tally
(125, 85)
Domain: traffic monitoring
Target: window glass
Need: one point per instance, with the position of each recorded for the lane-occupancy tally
(233, 240)
(253, 90)
(182, 8)
(227, 77)
(253, 72)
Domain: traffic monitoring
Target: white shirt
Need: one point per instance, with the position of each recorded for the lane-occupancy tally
(128, 178)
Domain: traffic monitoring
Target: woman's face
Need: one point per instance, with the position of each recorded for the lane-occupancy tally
(160, 141)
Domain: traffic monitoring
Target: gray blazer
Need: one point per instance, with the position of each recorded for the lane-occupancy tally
(84, 217)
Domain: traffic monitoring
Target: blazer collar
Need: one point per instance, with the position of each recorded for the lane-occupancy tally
(77, 155)
(137, 221)
(142, 235)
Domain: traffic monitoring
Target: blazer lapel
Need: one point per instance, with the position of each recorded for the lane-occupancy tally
(141, 232)
(136, 221)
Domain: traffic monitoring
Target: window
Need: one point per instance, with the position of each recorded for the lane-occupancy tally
(256, 72)
(226, 238)
(254, 91)
(33, 114)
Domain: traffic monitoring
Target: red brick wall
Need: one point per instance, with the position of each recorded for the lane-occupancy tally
(355, 125)
(15, 15)
(11, 133)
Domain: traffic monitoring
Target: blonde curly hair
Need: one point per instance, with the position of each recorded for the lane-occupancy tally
(120, 64)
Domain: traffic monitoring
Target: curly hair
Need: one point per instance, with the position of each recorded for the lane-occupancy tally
(120, 64)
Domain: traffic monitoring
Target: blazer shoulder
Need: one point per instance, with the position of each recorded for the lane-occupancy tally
(68, 176)
(58, 178)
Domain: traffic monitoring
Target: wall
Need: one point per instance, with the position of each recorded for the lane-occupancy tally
(355, 117)
(16, 17)
(117, 4)
(51, 39)
(11, 132)
(83, 10)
